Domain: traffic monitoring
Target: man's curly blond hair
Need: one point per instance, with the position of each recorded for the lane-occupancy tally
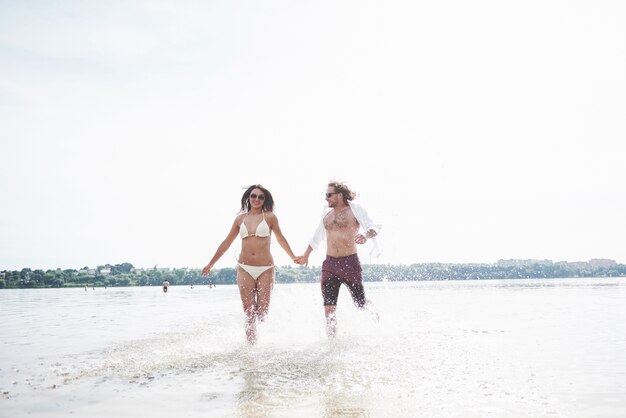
(341, 187)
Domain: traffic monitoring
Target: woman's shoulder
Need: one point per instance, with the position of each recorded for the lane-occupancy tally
(270, 216)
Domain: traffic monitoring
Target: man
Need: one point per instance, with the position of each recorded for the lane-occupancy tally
(341, 224)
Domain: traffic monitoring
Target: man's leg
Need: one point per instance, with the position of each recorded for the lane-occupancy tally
(357, 292)
(330, 292)
(352, 277)
(331, 320)
(354, 281)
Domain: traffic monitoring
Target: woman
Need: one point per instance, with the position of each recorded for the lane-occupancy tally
(255, 270)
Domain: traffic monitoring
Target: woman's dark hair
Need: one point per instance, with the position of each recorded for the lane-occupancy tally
(341, 187)
(268, 203)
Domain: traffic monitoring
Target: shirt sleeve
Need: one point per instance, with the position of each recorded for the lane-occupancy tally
(319, 235)
(367, 224)
(365, 221)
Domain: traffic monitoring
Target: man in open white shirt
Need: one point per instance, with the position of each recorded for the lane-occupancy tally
(341, 225)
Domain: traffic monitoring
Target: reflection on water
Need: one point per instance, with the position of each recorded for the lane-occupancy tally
(319, 379)
(480, 348)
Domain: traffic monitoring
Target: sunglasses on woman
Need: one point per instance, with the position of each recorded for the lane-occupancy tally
(257, 196)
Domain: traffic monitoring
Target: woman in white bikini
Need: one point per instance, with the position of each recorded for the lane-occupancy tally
(255, 271)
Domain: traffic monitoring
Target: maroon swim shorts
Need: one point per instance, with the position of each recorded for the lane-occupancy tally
(346, 270)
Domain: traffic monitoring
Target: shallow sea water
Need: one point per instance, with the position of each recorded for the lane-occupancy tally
(551, 347)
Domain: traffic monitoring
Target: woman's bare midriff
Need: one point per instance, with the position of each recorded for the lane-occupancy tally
(255, 251)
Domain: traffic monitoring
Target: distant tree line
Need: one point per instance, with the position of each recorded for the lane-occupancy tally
(126, 275)
(442, 271)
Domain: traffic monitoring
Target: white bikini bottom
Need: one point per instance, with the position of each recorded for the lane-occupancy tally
(254, 271)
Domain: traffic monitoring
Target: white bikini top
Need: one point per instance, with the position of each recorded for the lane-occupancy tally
(262, 231)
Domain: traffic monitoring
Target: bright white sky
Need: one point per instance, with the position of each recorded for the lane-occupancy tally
(473, 131)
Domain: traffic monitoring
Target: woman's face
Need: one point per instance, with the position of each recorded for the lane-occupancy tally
(257, 198)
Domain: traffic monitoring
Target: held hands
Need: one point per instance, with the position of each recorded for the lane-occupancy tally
(301, 260)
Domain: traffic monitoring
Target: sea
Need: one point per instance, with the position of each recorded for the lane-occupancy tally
(458, 348)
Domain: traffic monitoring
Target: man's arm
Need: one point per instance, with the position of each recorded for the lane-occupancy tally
(304, 258)
(314, 243)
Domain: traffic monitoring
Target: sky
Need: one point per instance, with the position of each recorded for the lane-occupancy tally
(472, 131)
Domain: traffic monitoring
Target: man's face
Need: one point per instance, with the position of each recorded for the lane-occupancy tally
(332, 197)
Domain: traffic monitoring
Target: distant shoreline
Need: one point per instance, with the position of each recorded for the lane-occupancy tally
(124, 275)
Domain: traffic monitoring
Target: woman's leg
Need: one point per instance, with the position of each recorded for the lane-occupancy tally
(247, 290)
(264, 286)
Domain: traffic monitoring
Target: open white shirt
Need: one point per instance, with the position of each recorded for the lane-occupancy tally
(365, 223)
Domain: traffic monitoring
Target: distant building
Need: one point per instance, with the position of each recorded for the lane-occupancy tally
(528, 262)
(2, 275)
(105, 271)
(578, 264)
(601, 262)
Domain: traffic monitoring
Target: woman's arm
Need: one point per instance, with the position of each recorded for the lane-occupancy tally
(282, 241)
(224, 246)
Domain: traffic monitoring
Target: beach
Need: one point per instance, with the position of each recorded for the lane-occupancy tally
(545, 347)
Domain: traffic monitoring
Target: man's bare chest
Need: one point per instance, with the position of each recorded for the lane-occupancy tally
(343, 219)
